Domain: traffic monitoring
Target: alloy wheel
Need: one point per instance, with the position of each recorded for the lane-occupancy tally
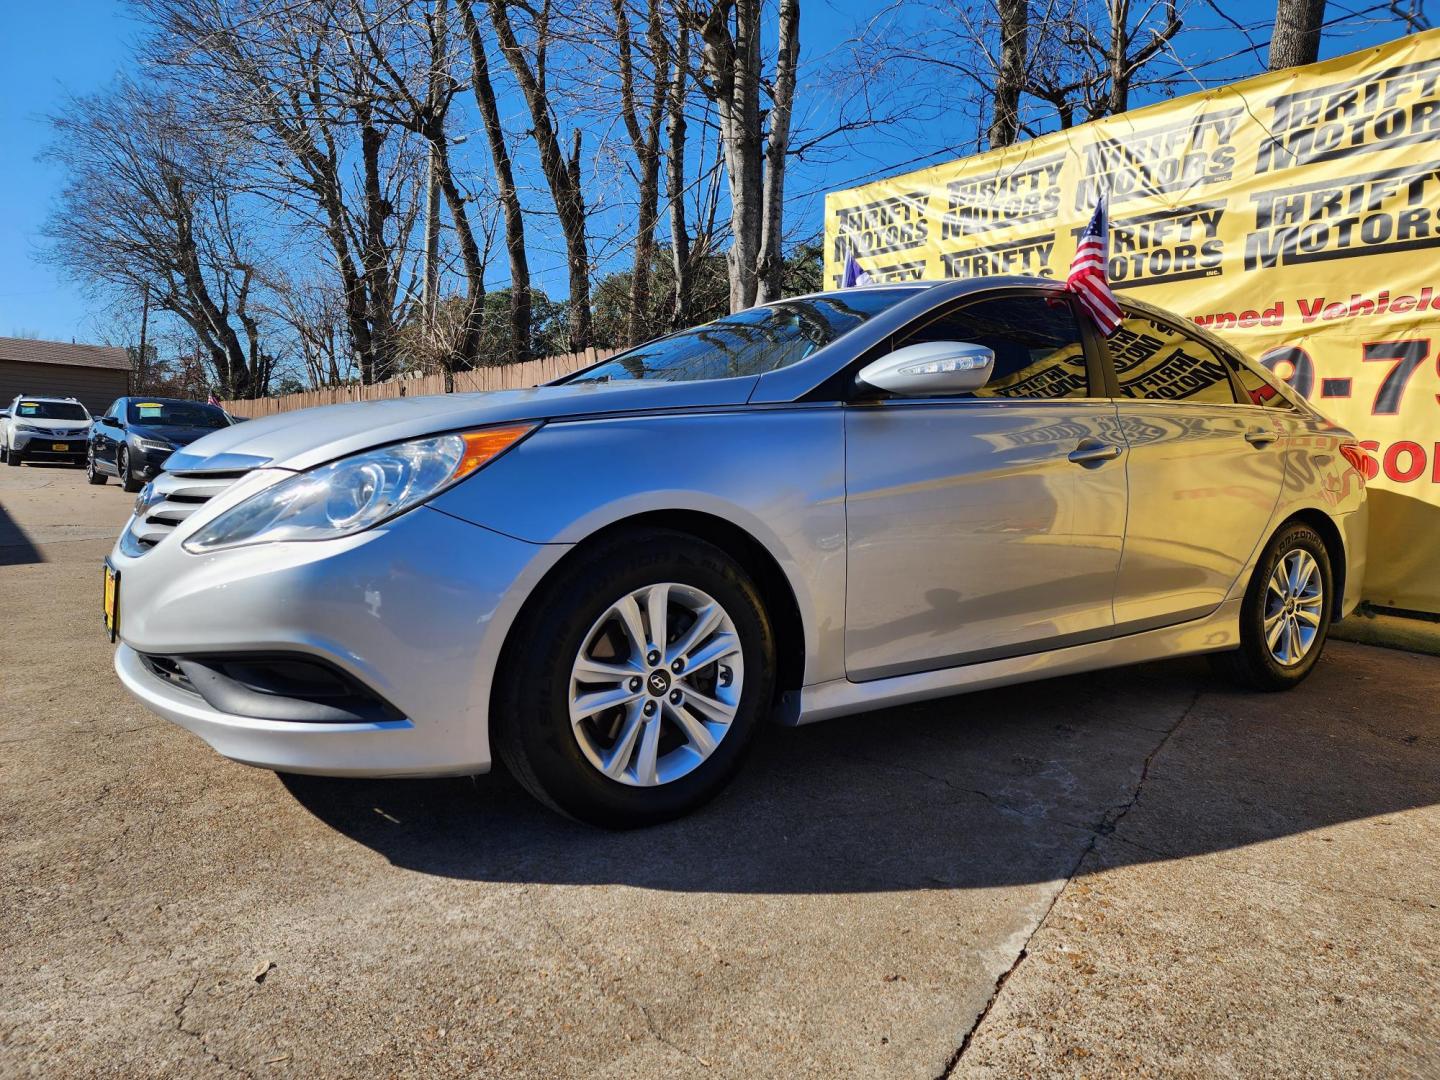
(656, 684)
(1294, 607)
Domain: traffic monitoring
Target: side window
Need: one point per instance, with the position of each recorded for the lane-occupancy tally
(1039, 351)
(1256, 389)
(1158, 361)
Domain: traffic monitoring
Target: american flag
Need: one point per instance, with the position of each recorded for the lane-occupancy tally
(1087, 274)
(212, 400)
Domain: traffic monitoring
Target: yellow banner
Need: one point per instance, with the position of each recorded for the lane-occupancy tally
(1296, 213)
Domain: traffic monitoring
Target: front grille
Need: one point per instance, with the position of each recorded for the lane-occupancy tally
(179, 495)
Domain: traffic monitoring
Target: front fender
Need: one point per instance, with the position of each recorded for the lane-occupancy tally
(775, 472)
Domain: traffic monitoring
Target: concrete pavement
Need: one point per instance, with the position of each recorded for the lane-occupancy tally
(1142, 872)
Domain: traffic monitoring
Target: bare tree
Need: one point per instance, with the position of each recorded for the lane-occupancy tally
(675, 139)
(1010, 76)
(289, 80)
(777, 149)
(1126, 45)
(642, 125)
(1081, 59)
(148, 208)
(562, 170)
(734, 78)
(417, 96)
(314, 312)
(507, 194)
(1296, 39)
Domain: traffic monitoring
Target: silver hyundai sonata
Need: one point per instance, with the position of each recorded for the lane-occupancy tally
(815, 507)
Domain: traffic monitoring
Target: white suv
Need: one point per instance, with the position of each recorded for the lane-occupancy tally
(44, 429)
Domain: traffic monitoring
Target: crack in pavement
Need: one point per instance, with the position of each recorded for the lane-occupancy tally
(607, 991)
(199, 1036)
(1106, 827)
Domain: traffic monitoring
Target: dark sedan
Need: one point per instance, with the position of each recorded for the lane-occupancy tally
(133, 439)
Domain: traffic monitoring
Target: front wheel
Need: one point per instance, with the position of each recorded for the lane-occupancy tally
(636, 680)
(13, 456)
(1285, 616)
(128, 480)
(92, 474)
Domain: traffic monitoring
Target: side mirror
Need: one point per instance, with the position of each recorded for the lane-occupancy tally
(932, 369)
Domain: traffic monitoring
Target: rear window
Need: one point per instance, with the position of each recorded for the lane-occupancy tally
(51, 410)
(1160, 362)
(1259, 390)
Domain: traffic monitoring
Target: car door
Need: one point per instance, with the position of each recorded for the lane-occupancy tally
(991, 524)
(1204, 465)
(105, 432)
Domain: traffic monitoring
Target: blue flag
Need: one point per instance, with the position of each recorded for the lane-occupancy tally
(854, 274)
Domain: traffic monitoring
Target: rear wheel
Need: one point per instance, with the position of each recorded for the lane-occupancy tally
(1285, 617)
(636, 680)
(92, 471)
(128, 480)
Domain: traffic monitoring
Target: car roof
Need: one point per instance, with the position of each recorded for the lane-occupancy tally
(165, 400)
(979, 284)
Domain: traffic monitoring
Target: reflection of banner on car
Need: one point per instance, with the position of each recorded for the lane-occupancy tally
(1296, 213)
(1055, 375)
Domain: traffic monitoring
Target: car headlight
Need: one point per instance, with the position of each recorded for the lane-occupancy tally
(356, 492)
(156, 445)
(29, 429)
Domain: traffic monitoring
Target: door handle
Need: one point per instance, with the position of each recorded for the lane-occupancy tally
(1260, 437)
(1093, 452)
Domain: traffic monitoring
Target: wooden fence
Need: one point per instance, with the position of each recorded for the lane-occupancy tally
(501, 377)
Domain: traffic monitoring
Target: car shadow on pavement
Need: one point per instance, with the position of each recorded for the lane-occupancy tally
(1001, 787)
(16, 549)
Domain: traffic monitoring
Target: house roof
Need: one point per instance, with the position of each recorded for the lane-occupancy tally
(30, 351)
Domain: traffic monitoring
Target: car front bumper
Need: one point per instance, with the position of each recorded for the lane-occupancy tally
(415, 610)
(150, 463)
(42, 447)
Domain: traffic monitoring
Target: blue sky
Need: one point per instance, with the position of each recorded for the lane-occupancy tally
(51, 51)
(47, 51)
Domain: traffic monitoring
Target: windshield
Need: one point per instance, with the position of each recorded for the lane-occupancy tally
(51, 410)
(748, 342)
(175, 414)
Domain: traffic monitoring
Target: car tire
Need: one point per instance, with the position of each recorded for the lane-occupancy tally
(14, 457)
(577, 619)
(93, 475)
(128, 481)
(1285, 616)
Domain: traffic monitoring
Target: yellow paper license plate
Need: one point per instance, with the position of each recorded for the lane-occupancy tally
(61, 446)
(112, 601)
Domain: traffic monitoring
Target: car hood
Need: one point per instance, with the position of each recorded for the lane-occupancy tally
(308, 437)
(175, 436)
(69, 427)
